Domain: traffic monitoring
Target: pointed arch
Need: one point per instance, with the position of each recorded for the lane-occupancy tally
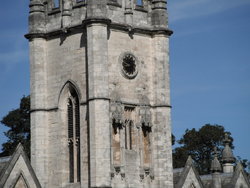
(69, 85)
(21, 181)
(69, 105)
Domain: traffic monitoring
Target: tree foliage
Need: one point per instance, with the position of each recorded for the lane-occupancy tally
(18, 122)
(245, 164)
(199, 144)
(173, 139)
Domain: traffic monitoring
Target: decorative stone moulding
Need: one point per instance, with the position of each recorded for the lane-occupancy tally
(118, 170)
(145, 115)
(129, 65)
(117, 112)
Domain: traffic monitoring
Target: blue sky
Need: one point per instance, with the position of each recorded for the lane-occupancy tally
(209, 57)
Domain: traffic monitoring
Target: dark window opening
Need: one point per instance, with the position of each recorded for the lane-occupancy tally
(126, 141)
(130, 136)
(74, 137)
(146, 145)
(130, 117)
(71, 162)
(116, 142)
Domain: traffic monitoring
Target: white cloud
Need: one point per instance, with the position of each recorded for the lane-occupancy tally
(186, 9)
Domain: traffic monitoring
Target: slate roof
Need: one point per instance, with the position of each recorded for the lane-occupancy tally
(225, 180)
(181, 174)
(3, 162)
(228, 180)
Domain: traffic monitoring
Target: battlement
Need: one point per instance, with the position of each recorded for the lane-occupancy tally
(48, 16)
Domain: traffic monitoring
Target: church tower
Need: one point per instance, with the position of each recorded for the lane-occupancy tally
(100, 95)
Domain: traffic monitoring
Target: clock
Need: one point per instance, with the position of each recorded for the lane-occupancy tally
(129, 65)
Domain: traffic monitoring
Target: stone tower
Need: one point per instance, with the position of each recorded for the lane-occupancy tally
(100, 104)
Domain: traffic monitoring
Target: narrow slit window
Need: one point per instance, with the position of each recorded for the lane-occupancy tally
(77, 138)
(116, 143)
(126, 140)
(146, 145)
(129, 115)
(130, 136)
(71, 141)
(74, 138)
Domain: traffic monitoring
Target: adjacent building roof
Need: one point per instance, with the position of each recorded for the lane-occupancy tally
(16, 171)
(183, 177)
(187, 176)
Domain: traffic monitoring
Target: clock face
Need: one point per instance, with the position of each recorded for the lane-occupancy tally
(129, 66)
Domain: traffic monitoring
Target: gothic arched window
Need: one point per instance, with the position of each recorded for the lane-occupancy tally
(74, 138)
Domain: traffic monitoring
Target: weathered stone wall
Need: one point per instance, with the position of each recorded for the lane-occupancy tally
(81, 46)
(39, 115)
(141, 46)
(66, 64)
(54, 63)
(152, 81)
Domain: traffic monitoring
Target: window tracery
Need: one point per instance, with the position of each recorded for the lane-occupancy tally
(131, 130)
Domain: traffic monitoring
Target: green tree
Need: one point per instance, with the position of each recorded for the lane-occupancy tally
(18, 122)
(199, 144)
(173, 139)
(245, 163)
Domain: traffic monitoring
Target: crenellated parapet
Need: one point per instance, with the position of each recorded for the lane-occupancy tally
(37, 22)
(159, 13)
(51, 16)
(100, 69)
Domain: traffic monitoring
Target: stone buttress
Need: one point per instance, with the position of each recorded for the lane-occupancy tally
(100, 94)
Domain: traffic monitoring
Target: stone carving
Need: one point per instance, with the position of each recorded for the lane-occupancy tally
(118, 170)
(117, 112)
(145, 115)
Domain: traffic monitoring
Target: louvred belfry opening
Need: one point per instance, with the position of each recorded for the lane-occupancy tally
(77, 132)
(70, 120)
(71, 141)
(74, 138)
